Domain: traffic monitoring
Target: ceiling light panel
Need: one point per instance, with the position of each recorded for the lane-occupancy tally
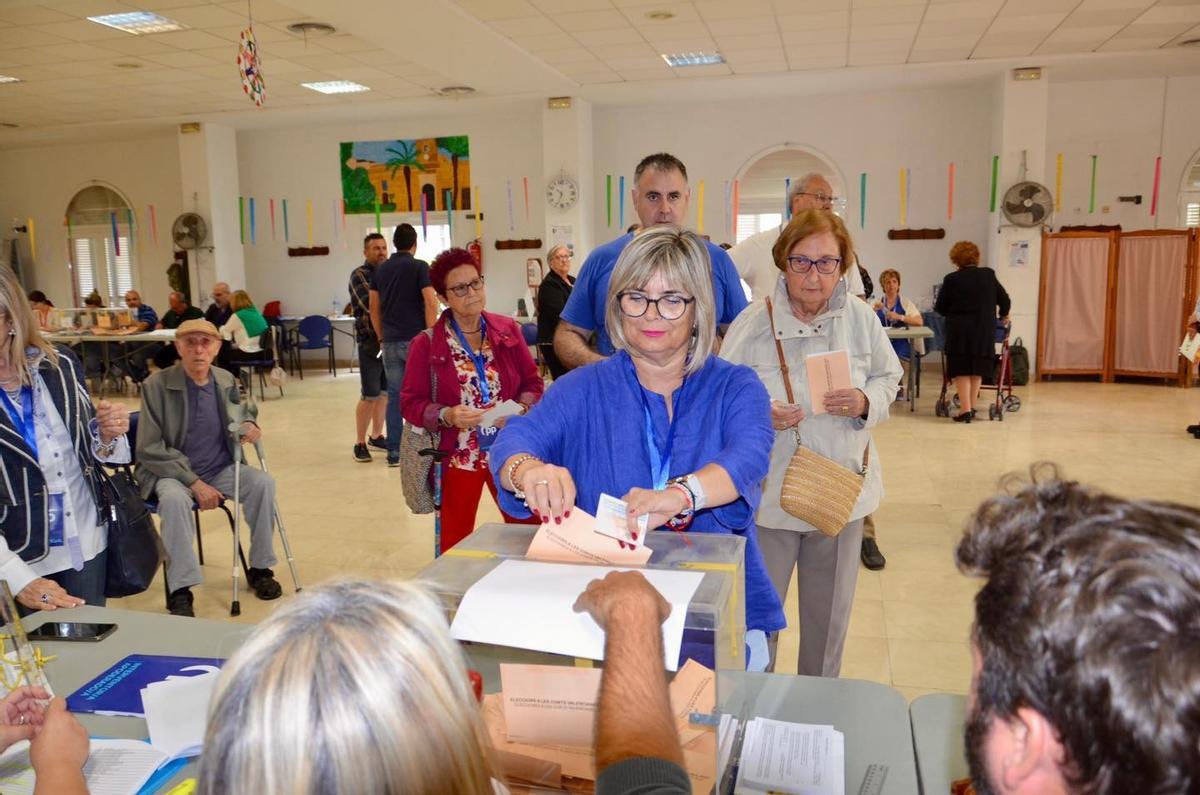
(139, 23)
(336, 87)
(685, 59)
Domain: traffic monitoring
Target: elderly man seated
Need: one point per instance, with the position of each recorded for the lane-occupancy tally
(185, 453)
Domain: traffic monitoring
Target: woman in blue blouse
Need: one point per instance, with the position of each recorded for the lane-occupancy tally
(683, 437)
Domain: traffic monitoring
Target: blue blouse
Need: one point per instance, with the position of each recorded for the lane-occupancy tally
(591, 422)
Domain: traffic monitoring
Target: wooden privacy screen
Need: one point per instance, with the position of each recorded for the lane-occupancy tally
(1116, 303)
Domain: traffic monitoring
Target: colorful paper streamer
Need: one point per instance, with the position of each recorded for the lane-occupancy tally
(116, 236)
(621, 202)
(862, 200)
(478, 213)
(608, 197)
(241, 220)
(1058, 180)
(133, 228)
(950, 193)
(903, 197)
(308, 220)
(1092, 193)
(32, 229)
(700, 208)
(1154, 196)
(153, 225)
(787, 198)
(253, 224)
(525, 185)
(995, 180)
(286, 235)
(271, 206)
(449, 199)
(511, 222)
(424, 218)
(378, 218)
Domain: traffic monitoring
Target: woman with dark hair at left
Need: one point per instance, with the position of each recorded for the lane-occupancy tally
(52, 537)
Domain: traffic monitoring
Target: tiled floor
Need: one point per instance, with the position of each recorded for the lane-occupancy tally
(910, 621)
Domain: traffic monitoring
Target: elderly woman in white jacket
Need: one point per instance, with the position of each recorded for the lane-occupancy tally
(813, 314)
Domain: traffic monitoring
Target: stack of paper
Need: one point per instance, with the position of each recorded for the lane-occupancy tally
(114, 767)
(798, 758)
(177, 713)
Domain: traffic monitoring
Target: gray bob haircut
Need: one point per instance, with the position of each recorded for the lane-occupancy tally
(351, 687)
(801, 185)
(681, 257)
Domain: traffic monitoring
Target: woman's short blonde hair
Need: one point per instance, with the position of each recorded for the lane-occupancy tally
(15, 306)
(964, 254)
(681, 258)
(807, 223)
(350, 687)
(240, 300)
(890, 273)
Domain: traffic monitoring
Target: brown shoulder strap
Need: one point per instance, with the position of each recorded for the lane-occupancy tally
(787, 378)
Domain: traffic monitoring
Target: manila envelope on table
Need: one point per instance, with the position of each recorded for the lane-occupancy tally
(826, 372)
(576, 541)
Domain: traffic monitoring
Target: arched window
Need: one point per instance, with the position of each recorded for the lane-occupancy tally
(763, 186)
(100, 227)
(1189, 194)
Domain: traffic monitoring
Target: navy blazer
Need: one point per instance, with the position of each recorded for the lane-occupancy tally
(24, 497)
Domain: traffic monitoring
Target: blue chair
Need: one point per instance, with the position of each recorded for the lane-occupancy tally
(263, 364)
(530, 332)
(152, 506)
(314, 332)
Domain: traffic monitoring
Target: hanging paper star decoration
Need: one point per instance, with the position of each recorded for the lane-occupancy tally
(250, 68)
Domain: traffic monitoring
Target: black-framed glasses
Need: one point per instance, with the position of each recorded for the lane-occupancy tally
(669, 307)
(461, 290)
(825, 265)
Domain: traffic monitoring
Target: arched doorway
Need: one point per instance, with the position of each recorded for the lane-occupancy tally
(100, 231)
(1189, 193)
(763, 185)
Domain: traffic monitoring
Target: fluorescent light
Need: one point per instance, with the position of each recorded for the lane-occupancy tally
(138, 22)
(7, 79)
(692, 58)
(336, 87)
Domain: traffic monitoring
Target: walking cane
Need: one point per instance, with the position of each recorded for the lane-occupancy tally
(287, 548)
(235, 607)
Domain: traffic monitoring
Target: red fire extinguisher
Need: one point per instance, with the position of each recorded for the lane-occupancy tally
(476, 250)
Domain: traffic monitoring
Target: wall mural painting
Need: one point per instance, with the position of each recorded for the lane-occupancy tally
(392, 176)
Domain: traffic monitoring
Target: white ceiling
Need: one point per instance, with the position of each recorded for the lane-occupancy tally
(606, 50)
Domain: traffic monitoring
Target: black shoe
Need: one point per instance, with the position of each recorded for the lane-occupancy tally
(1193, 429)
(179, 603)
(872, 558)
(361, 454)
(264, 584)
(1196, 433)
(379, 442)
(394, 460)
(964, 417)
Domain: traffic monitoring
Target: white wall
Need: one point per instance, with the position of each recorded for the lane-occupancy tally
(1122, 121)
(302, 163)
(877, 133)
(40, 182)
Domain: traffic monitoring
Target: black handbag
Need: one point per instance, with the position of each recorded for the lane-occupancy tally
(134, 548)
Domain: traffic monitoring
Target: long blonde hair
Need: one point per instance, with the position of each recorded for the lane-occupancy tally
(23, 322)
(351, 687)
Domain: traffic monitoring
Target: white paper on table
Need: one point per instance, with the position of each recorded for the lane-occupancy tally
(114, 767)
(505, 409)
(528, 605)
(177, 713)
(797, 758)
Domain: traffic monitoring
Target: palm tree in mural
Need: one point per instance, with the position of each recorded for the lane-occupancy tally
(456, 146)
(405, 158)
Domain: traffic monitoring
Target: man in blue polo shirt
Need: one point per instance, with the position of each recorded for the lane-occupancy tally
(660, 197)
(146, 319)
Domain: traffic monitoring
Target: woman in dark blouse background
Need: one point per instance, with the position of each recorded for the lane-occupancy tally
(969, 299)
(551, 298)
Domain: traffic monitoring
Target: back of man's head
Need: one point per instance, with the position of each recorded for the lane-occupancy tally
(405, 237)
(1090, 617)
(660, 161)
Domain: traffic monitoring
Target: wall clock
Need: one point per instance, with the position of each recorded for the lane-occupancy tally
(562, 192)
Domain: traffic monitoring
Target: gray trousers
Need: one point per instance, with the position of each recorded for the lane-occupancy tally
(828, 571)
(178, 527)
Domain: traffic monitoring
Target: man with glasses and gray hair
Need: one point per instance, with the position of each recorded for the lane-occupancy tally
(752, 257)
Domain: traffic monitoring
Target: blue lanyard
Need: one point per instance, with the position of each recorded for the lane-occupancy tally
(660, 459)
(23, 419)
(478, 358)
(896, 308)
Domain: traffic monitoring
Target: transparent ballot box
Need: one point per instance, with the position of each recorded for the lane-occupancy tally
(714, 627)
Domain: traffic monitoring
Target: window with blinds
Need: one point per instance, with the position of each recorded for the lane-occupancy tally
(1191, 213)
(120, 271)
(99, 268)
(85, 274)
(752, 223)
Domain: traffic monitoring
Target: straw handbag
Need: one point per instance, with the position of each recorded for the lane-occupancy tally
(816, 489)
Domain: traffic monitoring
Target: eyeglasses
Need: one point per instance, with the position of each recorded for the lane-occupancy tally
(821, 198)
(461, 290)
(669, 306)
(825, 265)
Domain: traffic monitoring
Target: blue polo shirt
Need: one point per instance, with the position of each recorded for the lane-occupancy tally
(585, 307)
(146, 314)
